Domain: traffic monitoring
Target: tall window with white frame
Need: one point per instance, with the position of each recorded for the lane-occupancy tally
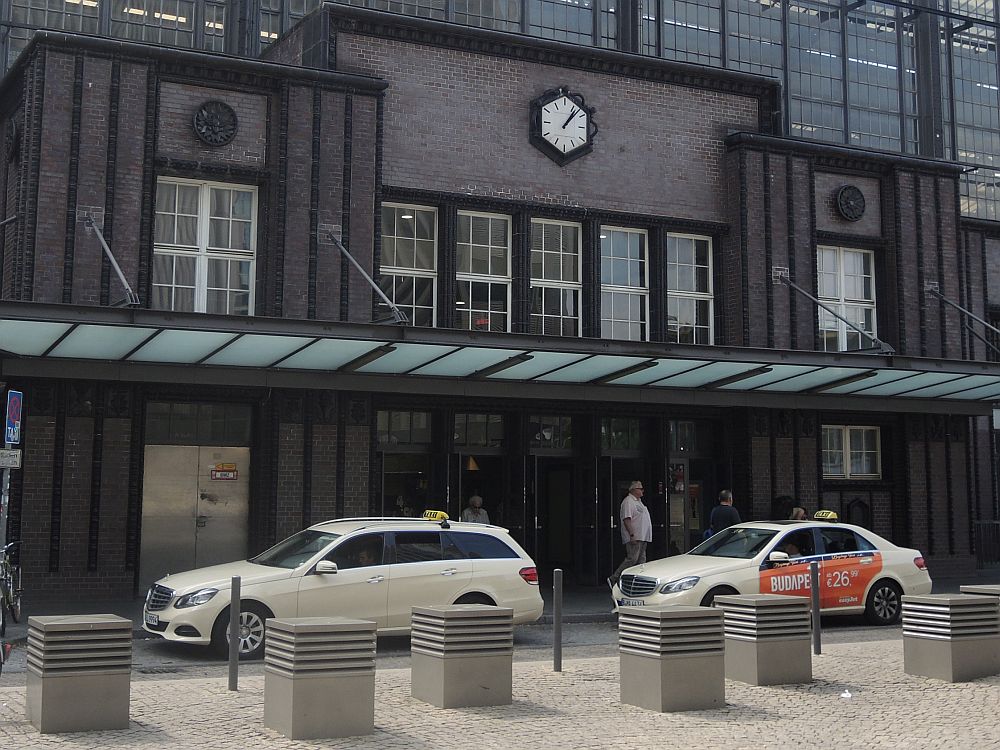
(482, 273)
(204, 247)
(555, 277)
(624, 284)
(689, 289)
(846, 284)
(409, 261)
(851, 452)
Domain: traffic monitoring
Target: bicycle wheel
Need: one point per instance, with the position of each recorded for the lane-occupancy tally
(15, 595)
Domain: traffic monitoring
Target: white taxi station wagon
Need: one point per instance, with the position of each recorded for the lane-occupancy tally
(367, 568)
(859, 571)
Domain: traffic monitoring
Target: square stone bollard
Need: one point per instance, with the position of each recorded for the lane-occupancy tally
(767, 638)
(672, 658)
(319, 677)
(462, 655)
(953, 637)
(980, 589)
(79, 672)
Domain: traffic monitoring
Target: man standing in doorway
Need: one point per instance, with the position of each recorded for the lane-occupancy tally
(724, 514)
(637, 530)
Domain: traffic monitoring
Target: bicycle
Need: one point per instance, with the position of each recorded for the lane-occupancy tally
(10, 588)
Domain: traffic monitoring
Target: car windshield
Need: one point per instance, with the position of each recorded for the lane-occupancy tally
(295, 550)
(738, 542)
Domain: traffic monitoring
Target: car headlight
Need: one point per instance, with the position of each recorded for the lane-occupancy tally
(193, 600)
(681, 584)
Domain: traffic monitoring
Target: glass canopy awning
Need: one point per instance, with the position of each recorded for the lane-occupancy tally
(144, 337)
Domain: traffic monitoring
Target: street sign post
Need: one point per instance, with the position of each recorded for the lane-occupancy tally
(10, 459)
(12, 433)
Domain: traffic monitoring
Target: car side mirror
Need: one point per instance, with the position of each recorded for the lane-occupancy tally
(324, 567)
(778, 556)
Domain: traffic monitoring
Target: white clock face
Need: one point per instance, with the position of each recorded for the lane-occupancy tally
(564, 124)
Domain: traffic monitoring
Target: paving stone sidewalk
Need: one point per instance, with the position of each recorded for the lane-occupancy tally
(576, 709)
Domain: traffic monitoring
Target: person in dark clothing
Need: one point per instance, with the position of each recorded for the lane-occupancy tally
(724, 514)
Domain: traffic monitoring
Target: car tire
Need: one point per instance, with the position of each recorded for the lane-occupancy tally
(709, 599)
(475, 599)
(884, 603)
(252, 617)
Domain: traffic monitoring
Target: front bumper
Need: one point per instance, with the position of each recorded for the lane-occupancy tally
(183, 625)
(691, 597)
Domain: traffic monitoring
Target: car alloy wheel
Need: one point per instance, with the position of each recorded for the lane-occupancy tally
(251, 633)
(883, 603)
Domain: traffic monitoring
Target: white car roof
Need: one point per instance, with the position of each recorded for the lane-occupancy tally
(383, 523)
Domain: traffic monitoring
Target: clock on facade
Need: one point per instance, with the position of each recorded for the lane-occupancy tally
(850, 202)
(215, 123)
(562, 126)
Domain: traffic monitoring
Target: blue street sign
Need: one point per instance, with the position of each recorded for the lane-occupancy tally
(15, 400)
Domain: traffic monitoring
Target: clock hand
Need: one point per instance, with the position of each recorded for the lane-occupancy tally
(572, 114)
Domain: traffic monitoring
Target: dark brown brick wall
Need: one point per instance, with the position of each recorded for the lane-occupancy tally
(458, 122)
(178, 104)
(828, 219)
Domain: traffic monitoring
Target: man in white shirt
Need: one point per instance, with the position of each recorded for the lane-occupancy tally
(637, 530)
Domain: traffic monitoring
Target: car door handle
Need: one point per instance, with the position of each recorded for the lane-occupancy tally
(867, 560)
(376, 579)
(449, 572)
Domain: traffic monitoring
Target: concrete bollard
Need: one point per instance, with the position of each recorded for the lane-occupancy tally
(672, 658)
(79, 672)
(462, 655)
(319, 677)
(980, 589)
(953, 637)
(767, 638)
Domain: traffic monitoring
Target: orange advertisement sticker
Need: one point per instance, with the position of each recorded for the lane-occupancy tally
(843, 579)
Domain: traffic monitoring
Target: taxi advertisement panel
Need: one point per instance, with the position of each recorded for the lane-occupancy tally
(844, 578)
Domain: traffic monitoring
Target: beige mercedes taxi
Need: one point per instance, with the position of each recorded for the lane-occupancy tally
(368, 568)
(859, 571)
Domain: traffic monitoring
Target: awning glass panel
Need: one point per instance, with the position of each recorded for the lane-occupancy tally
(917, 382)
(181, 347)
(101, 342)
(985, 393)
(590, 368)
(257, 351)
(29, 338)
(814, 379)
(466, 361)
(405, 357)
(540, 363)
(662, 369)
(778, 372)
(328, 354)
(960, 384)
(882, 377)
(708, 374)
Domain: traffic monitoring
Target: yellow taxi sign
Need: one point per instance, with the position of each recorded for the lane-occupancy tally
(435, 515)
(826, 515)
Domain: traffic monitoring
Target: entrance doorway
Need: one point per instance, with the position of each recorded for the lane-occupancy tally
(556, 515)
(481, 475)
(195, 504)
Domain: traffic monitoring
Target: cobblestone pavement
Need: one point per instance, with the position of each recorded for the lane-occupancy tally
(578, 708)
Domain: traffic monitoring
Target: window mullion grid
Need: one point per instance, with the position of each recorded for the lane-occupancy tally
(201, 270)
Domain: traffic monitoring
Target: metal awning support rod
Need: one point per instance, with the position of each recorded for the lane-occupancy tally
(932, 287)
(398, 315)
(779, 274)
(8, 220)
(131, 298)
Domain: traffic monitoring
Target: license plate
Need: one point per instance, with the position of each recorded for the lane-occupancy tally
(151, 619)
(631, 603)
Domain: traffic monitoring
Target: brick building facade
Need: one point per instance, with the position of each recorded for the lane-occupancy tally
(354, 114)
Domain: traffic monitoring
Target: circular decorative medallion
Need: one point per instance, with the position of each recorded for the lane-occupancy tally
(850, 202)
(215, 123)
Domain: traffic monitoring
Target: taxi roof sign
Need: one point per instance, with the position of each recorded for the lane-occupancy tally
(826, 515)
(435, 515)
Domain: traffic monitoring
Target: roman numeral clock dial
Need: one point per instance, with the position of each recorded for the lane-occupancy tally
(562, 125)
